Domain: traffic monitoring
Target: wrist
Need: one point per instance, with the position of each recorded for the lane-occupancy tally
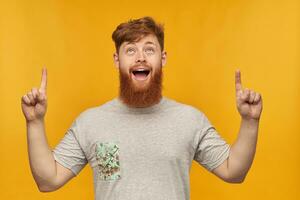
(250, 121)
(35, 121)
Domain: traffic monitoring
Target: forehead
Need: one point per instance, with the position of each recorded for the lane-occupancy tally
(148, 39)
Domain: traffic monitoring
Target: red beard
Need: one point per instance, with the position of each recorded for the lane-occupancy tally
(135, 96)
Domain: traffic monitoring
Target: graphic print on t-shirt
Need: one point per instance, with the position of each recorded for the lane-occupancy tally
(107, 156)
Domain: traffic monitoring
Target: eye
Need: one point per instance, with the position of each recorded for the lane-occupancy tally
(130, 50)
(149, 50)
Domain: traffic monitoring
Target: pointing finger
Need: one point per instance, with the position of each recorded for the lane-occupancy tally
(43, 86)
(238, 82)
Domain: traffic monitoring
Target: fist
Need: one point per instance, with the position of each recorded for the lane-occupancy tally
(34, 103)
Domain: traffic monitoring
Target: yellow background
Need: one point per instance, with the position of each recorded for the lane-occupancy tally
(205, 40)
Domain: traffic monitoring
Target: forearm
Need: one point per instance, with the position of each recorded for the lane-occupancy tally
(243, 150)
(41, 160)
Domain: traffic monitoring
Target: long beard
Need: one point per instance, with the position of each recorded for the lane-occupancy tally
(135, 96)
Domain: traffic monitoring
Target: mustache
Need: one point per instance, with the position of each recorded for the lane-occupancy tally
(144, 65)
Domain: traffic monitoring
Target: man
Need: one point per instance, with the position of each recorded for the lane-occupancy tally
(141, 144)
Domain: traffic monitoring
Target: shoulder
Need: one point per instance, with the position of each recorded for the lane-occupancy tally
(190, 115)
(186, 110)
(94, 112)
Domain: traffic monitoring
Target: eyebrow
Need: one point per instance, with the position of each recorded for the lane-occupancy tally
(150, 43)
(145, 43)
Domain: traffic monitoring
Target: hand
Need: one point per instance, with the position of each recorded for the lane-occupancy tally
(249, 103)
(34, 103)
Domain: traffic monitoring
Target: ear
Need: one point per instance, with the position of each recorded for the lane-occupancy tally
(116, 60)
(163, 58)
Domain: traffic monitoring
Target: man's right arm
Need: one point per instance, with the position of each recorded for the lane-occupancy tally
(48, 174)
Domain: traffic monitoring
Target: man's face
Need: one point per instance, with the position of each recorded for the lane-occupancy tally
(140, 67)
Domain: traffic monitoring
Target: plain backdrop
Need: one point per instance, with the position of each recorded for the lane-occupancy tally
(205, 40)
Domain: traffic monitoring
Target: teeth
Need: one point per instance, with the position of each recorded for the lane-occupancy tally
(140, 70)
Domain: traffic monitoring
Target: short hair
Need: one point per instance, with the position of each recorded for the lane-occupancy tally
(136, 29)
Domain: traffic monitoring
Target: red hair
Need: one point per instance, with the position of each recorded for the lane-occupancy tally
(134, 30)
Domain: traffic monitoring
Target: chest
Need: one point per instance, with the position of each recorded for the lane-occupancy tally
(138, 142)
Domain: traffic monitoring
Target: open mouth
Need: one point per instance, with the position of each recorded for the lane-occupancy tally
(140, 74)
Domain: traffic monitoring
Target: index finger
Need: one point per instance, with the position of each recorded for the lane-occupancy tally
(238, 82)
(43, 86)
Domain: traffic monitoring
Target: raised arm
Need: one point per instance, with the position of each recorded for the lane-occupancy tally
(47, 173)
(249, 105)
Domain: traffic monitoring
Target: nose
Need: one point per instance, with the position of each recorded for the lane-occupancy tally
(140, 58)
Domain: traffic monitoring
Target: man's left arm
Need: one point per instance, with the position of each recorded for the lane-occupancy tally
(249, 104)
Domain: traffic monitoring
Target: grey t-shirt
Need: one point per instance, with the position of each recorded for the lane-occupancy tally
(141, 153)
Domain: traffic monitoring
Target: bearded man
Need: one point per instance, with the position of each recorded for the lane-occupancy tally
(141, 144)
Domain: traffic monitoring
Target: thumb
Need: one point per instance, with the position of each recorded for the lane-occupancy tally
(246, 95)
(42, 98)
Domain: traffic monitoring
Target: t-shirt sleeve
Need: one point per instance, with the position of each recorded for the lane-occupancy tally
(68, 151)
(211, 149)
